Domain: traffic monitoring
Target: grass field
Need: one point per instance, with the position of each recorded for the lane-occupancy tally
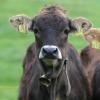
(13, 44)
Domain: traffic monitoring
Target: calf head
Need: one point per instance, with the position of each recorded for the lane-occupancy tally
(51, 28)
(93, 37)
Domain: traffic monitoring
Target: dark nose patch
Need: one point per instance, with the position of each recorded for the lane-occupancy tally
(50, 52)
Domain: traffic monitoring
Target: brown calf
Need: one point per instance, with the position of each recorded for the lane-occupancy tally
(90, 57)
(52, 68)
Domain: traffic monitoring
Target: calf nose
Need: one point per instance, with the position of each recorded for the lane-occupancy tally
(49, 51)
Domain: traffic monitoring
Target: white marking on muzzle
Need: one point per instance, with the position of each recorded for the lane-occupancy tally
(59, 56)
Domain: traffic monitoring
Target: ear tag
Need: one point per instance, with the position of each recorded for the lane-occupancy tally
(22, 28)
(95, 44)
(79, 33)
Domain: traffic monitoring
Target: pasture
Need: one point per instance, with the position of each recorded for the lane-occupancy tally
(13, 44)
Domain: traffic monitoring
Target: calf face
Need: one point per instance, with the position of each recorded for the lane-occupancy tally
(51, 28)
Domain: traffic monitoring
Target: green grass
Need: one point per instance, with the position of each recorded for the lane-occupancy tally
(13, 44)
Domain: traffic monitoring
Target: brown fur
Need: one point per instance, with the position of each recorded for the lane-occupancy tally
(53, 10)
(89, 56)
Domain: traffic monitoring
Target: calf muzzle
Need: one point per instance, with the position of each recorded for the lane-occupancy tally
(50, 52)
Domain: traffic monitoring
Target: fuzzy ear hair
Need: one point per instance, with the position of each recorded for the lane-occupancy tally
(21, 22)
(89, 37)
(92, 34)
(93, 37)
(82, 25)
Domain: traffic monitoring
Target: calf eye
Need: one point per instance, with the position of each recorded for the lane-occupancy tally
(35, 30)
(66, 30)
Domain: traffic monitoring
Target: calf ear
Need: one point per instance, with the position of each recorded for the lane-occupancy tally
(72, 26)
(21, 23)
(82, 24)
(92, 34)
(89, 37)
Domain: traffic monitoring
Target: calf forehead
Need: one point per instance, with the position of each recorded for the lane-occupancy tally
(55, 21)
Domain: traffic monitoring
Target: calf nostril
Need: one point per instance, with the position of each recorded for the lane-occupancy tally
(55, 51)
(45, 50)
